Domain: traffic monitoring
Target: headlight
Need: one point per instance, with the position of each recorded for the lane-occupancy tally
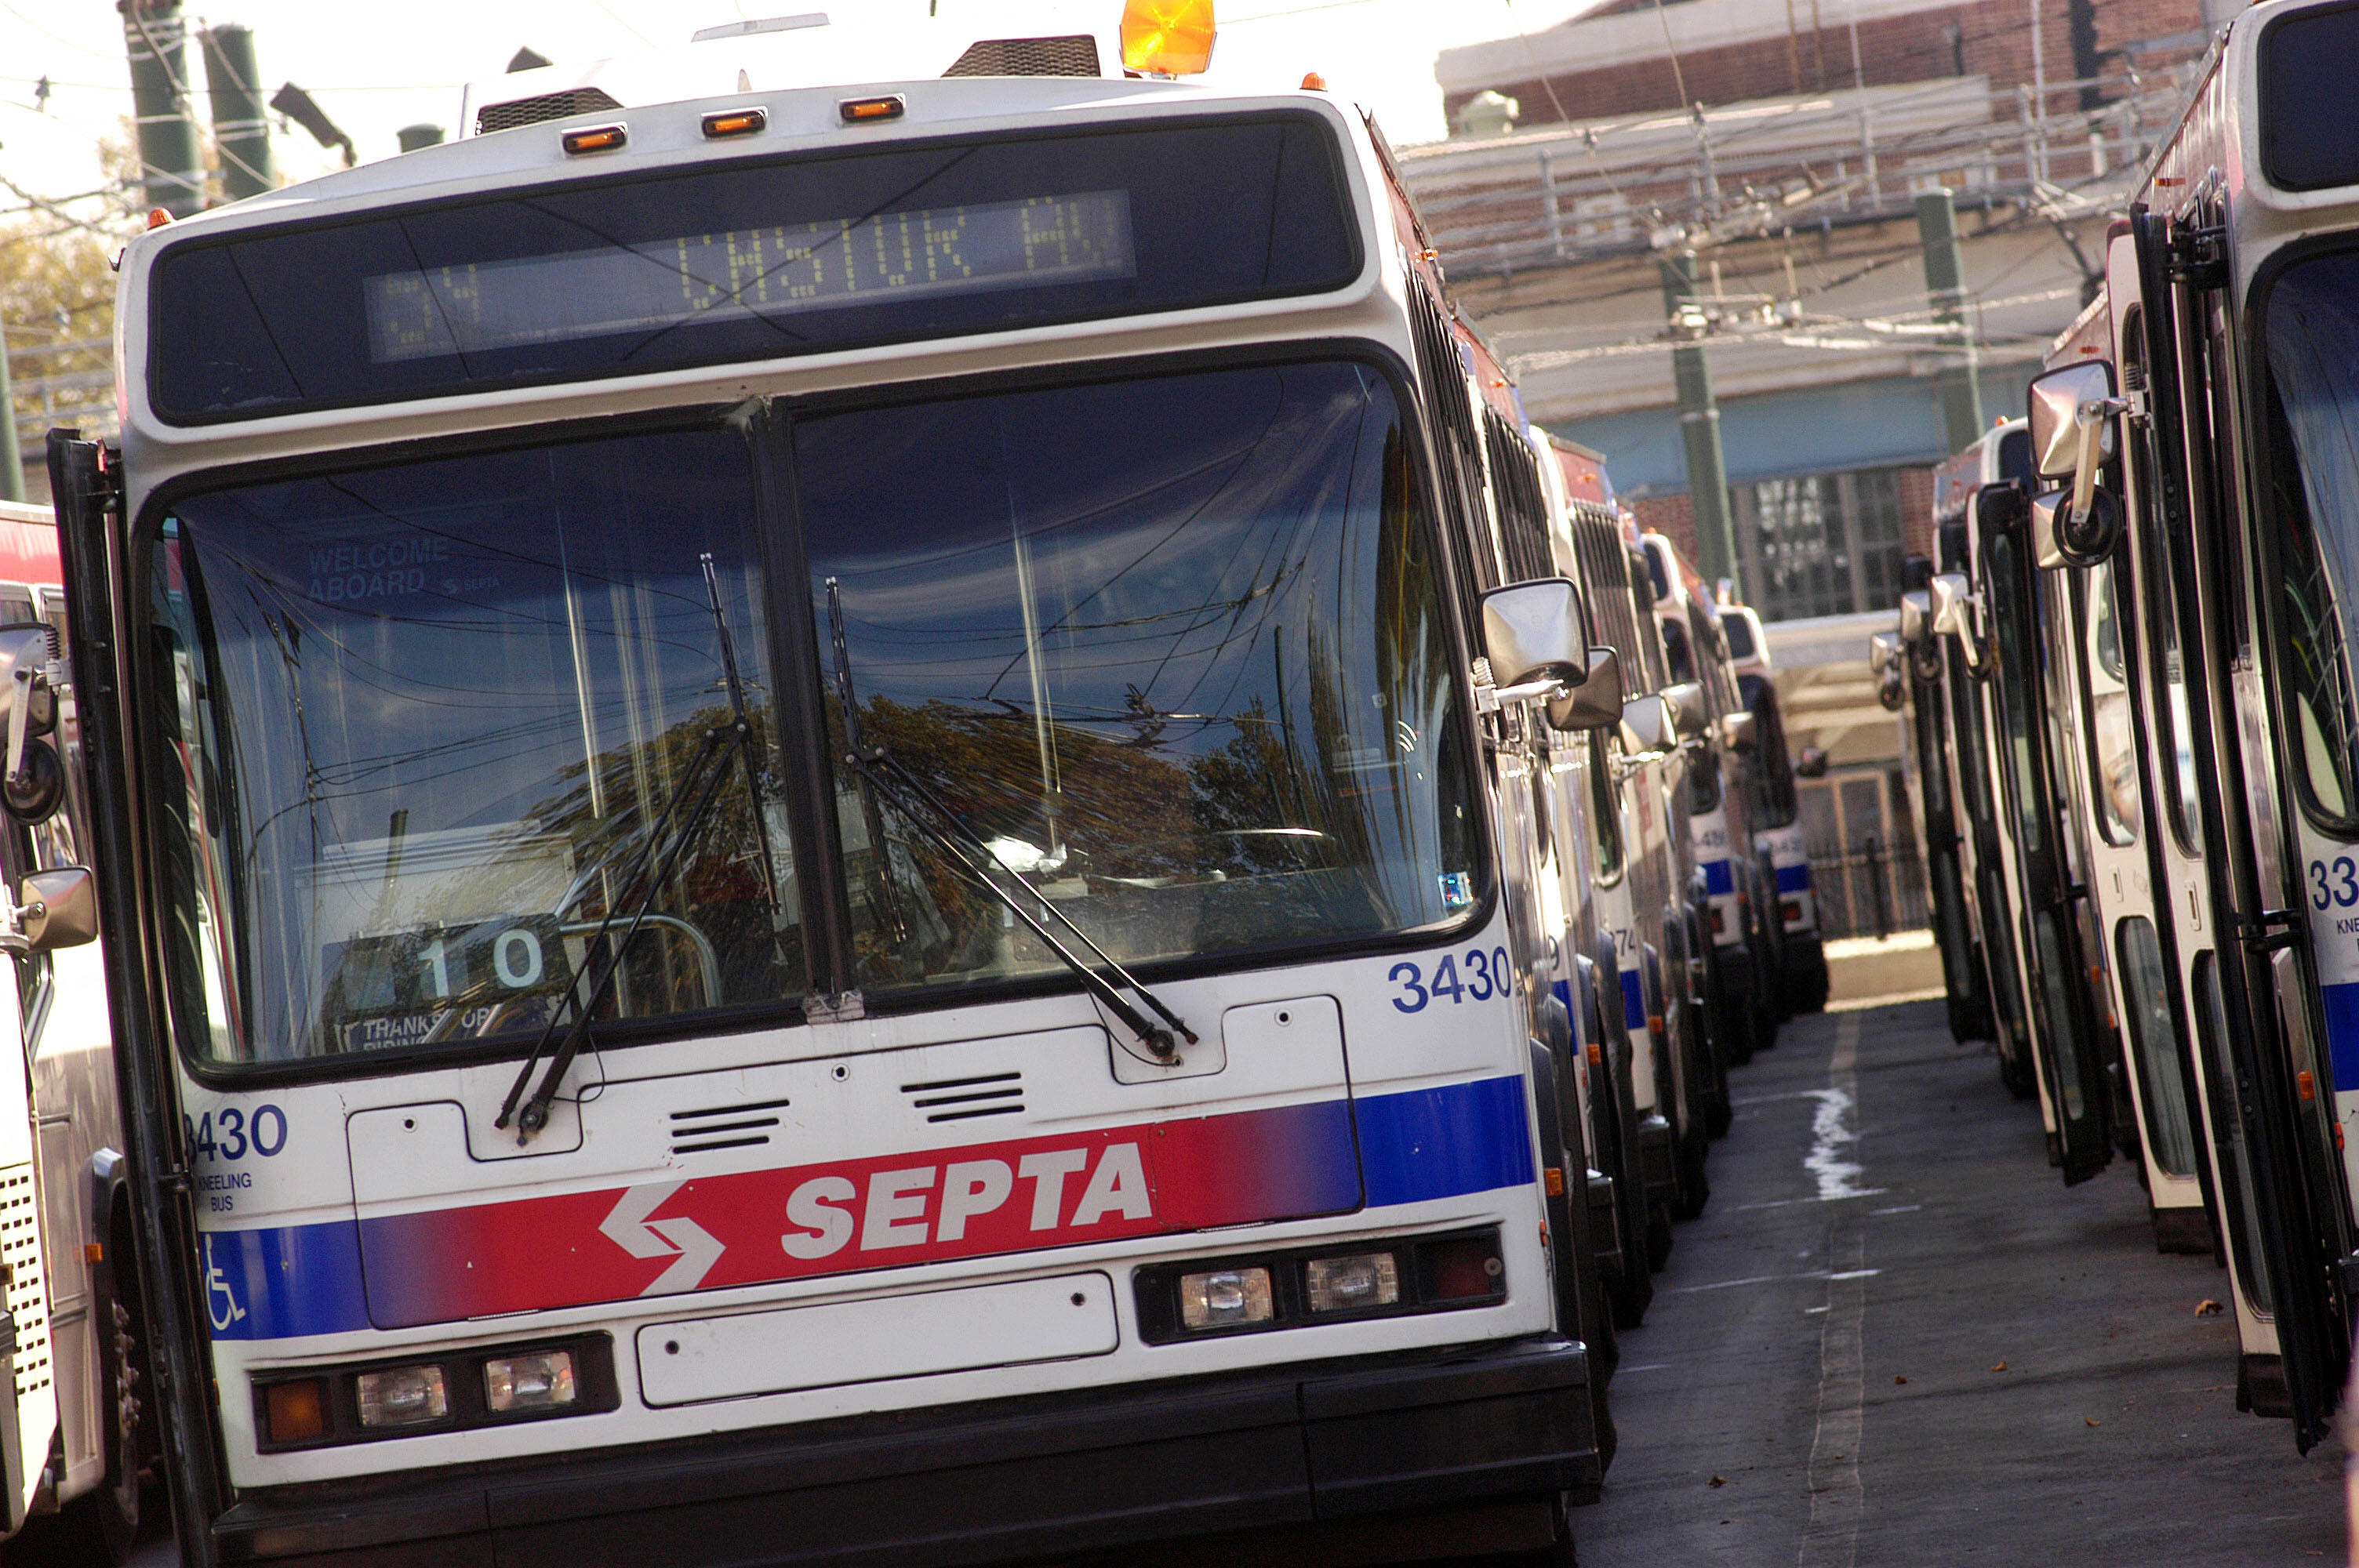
(1224, 1297)
(401, 1396)
(539, 1381)
(1359, 1280)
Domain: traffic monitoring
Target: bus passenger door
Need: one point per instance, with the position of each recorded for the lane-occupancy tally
(2065, 1024)
(82, 482)
(2291, 1236)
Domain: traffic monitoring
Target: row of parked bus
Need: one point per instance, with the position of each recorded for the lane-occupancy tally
(2126, 671)
(841, 822)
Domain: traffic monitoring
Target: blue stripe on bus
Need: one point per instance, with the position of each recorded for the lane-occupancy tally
(1794, 878)
(2341, 1005)
(1634, 1000)
(284, 1282)
(1718, 879)
(1444, 1142)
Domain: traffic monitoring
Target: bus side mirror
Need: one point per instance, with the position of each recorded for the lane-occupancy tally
(1739, 732)
(60, 909)
(1596, 702)
(1950, 598)
(1647, 731)
(1916, 616)
(1689, 719)
(1883, 653)
(32, 780)
(2060, 541)
(1811, 762)
(1535, 631)
(2072, 409)
(2057, 402)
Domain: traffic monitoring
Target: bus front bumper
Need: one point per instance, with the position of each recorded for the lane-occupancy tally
(1276, 1449)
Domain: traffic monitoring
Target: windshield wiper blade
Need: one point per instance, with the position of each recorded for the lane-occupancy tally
(949, 832)
(708, 769)
(915, 804)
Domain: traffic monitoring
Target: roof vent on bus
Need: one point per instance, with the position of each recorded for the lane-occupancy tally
(963, 1099)
(1076, 55)
(724, 1127)
(518, 112)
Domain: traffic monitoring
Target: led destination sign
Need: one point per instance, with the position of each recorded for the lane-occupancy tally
(780, 270)
(745, 260)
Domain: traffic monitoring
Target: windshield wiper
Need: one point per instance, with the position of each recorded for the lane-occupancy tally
(883, 774)
(707, 771)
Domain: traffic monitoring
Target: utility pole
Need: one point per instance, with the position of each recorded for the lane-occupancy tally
(1955, 381)
(241, 130)
(12, 461)
(1698, 425)
(169, 164)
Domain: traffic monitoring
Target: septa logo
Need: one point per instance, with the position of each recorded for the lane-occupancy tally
(749, 1227)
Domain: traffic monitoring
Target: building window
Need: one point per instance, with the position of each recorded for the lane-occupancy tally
(1821, 545)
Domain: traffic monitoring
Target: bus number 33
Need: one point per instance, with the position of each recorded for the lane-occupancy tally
(2335, 886)
(1487, 973)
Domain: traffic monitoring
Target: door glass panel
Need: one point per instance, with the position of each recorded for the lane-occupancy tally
(2170, 716)
(2169, 1133)
(2238, 1200)
(2113, 748)
(2055, 981)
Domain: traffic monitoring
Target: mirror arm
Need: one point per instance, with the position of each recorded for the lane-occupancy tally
(20, 720)
(2090, 417)
(1547, 690)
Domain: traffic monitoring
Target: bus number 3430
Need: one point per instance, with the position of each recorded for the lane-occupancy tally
(230, 1133)
(1487, 973)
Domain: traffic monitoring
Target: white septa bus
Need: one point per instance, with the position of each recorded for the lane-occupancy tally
(804, 844)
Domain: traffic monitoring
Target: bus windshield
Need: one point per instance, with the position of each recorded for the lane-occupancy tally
(1173, 648)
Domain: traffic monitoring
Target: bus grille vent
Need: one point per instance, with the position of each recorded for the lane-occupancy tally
(20, 1250)
(724, 1127)
(1074, 56)
(963, 1099)
(518, 112)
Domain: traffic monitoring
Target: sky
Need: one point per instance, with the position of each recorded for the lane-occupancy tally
(375, 70)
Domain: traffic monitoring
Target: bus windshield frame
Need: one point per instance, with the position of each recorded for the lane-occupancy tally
(788, 657)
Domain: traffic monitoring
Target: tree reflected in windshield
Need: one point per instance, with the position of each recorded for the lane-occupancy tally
(1123, 631)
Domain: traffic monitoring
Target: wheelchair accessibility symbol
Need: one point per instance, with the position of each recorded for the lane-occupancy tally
(221, 1301)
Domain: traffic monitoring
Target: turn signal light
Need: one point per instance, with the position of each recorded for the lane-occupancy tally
(1168, 38)
(596, 139)
(296, 1411)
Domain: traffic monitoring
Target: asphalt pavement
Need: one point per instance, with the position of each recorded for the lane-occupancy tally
(1896, 1337)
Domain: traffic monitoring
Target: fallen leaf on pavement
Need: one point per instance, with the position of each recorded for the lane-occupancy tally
(2090, 1420)
(1899, 1379)
(2207, 1307)
(1718, 1482)
(2000, 1368)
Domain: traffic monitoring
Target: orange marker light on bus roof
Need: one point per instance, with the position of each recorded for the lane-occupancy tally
(736, 122)
(866, 111)
(596, 139)
(1168, 38)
